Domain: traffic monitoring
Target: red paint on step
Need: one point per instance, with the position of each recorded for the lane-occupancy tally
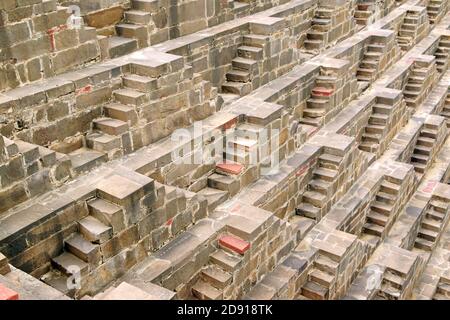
(51, 33)
(169, 222)
(8, 294)
(230, 167)
(237, 245)
(84, 90)
(323, 92)
(230, 124)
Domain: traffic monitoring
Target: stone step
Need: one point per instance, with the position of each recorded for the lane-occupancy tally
(389, 187)
(444, 289)
(204, 291)
(361, 21)
(120, 46)
(375, 47)
(225, 183)
(439, 205)
(102, 142)
(378, 119)
(228, 98)
(323, 12)
(382, 109)
(238, 156)
(362, 14)
(367, 64)
(318, 103)
(248, 52)
(130, 97)
(93, 230)
(315, 198)
(227, 261)
(424, 150)
(110, 126)
(121, 112)
(85, 159)
(320, 186)
(413, 87)
(326, 264)
(250, 131)
(239, 88)
(425, 141)
(371, 137)
(214, 197)
(145, 5)
(29, 151)
(381, 207)
(139, 83)
(372, 55)
(235, 75)
(429, 133)
(69, 264)
(308, 210)
(313, 44)
(244, 64)
(321, 278)
(83, 249)
(435, 215)
(373, 229)
(108, 214)
(233, 244)
(330, 161)
(389, 292)
(216, 277)
(135, 31)
(316, 35)
(369, 146)
(374, 217)
(321, 21)
(315, 122)
(138, 17)
(240, 143)
(431, 224)
(325, 174)
(375, 129)
(428, 234)
(314, 112)
(366, 72)
(255, 40)
(385, 197)
(314, 291)
(419, 158)
(424, 244)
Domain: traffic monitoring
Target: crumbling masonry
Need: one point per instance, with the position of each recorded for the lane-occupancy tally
(219, 149)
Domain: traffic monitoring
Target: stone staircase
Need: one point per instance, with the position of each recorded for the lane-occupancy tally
(368, 68)
(363, 13)
(320, 188)
(442, 290)
(110, 134)
(320, 101)
(417, 83)
(321, 278)
(446, 109)
(380, 214)
(132, 33)
(431, 225)
(392, 285)
(244, 67)
(435, 8)
(320, 25)
(407, 32)
(219, 273)
(423, 149)
(442, 54)
(375, 130)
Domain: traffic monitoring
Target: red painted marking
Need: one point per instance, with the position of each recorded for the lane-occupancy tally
(236, 208)
(429, 187)
(230, 124)
(84, 90)
(324, 92)
(237, 245)
(230, 167)
(8, 294)
(169, 222)
(51, 33)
